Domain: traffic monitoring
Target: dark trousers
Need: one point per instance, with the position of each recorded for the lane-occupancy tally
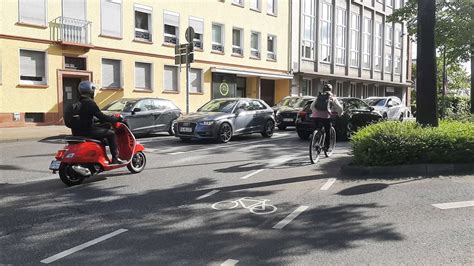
(326, 122)
(100, 133)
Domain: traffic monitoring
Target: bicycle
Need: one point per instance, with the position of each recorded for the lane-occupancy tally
(316, 143)
(256, 206)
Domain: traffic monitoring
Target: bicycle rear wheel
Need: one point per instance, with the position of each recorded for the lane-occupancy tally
(315, 146)
(332, 142)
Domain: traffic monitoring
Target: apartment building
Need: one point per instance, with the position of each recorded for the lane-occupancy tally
(126, 47)
(349, 44)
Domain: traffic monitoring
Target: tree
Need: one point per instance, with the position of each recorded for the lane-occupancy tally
(458, 78)
(454, 30)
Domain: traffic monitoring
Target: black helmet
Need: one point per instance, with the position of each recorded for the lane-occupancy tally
(86, 89)
(327, 87)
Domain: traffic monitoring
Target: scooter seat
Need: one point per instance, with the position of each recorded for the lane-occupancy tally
(81, 139)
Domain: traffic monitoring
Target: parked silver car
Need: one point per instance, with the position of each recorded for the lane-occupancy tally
(390, 107)
(220, 119)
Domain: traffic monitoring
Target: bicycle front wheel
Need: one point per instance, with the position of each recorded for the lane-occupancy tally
(225, 205)
(263, 209)
(332, 142)
(315, 146)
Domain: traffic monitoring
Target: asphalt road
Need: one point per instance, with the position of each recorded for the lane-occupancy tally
(172, 213)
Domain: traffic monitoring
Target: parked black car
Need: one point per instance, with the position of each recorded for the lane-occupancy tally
(287, 101)
(286, 115)
(146, 115)
(220, 119)
(356, 114)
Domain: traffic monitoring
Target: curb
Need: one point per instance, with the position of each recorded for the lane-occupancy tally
(409, 170)
(32, 138)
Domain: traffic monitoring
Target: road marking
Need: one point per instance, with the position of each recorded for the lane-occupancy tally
(229, 262)
(290, 217)
(328, 184)
(281, 160)
(208, 194)
(82, 246)
(454, 205)
(252, 174)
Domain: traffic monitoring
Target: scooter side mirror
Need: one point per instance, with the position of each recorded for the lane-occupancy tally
(136, 110)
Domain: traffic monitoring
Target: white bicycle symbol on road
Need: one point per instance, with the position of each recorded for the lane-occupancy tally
(255, 206)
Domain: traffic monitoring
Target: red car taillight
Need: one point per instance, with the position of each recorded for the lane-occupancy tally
(60, 154)
(302, 114)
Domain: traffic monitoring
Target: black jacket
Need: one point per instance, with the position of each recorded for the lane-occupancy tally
(89, 110)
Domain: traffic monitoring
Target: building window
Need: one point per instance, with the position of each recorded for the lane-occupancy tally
(271, 47)
(217, 37)
(32, 67)
(398, 38)
(32, 12)
(326, 32)
(272, 7)
(111, 18)
(378, 46)
(171, 32)
(238, 2)
(339, 89)
(195, 80)
(143, 72)
(380, 1)
(389, 3)
(76, 63)
(352, 92)
(255, 5)
(198, 25)
(388, 63)
(366, 54)
(255, 44)
(388, 35)
(237, 41)
(365, 91)
(341, 27)
(111, 73)
(355, 40)
(143, 22)
(308, 29)
(398, 65)
(306, 87)
(171, 78)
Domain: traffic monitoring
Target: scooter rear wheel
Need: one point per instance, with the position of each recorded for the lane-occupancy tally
(138, 163)
(69, 176)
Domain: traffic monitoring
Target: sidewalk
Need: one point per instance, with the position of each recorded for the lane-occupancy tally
(31, 133)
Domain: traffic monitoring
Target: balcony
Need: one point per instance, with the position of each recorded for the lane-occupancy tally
(71, 31)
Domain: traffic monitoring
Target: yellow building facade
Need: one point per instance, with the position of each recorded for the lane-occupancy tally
(127, 49)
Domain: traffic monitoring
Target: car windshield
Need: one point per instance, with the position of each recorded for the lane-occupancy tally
(288, 102)
(220, 105)
(354, 104)
(120, 106)
(302, 102)
(376, 102)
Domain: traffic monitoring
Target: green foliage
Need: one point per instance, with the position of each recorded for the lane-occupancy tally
(454, 107)
(458, 78)
(395, 143)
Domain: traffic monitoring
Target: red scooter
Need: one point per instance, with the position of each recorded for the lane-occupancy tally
(84, 157)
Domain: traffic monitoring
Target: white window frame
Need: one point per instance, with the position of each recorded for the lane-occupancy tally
(120, 73)
(355, 40)
(44, 24)
(398, 65)
(339, 89)
(121, 19)
(398, 38)
(235, 48)
(149, 11)
(177, 79)
(378, 44)
(238, 2)
(272, 55)
(273, 11)
(308, 42)
(167, 35)
(259, 5)
(198, 42)
(388, 63)
(341, 39)
(308, 82)
(32, 82)
(201, 84)
(256, 53)
(388, 35)
(151, 76)
(326, 22)
(216, 46)
(352, 90)
(365, 91)
(367, 43)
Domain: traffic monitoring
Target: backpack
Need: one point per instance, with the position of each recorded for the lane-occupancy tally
(71, 115)
(322, 102)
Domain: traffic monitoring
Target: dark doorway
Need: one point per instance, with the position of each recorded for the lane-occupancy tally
(241, 85)
(267, 91)
(70, 94)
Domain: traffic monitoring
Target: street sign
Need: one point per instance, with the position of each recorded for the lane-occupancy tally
(181, 58)
(189, 34)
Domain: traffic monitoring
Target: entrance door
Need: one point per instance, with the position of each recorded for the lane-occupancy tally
(70, 93)
(267, 91)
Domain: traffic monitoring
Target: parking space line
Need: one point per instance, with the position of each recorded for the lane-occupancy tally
(252, 174)
(82, 246)
(208, 194)
(290, 217)
(454, 205)
(229, 262)
(328, 184)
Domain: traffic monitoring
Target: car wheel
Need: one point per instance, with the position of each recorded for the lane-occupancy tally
(401, 117)
(268, 129)
(281, 127)
(171, 129)
(303, 135)
(349, 130)
(225, 133)
(384, 116)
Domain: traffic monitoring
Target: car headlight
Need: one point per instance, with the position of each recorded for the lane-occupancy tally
(206, 123)
(69, 155)
(277, 113)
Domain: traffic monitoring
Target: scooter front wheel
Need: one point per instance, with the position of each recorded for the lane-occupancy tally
(69, 176)
(138, 163)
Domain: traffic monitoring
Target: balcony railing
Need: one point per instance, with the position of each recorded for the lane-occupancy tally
(70, 31)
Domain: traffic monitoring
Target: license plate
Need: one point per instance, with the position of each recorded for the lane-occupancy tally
(288, 119)
(54, 165)
(185, 129)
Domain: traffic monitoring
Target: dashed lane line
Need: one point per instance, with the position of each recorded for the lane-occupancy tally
(290, 217)
(328, 184)
(454, 205)
(208, 194)
(82, 246)
(229, 262)
(252, 174)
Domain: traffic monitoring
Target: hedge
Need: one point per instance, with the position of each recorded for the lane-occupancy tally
(395, 143)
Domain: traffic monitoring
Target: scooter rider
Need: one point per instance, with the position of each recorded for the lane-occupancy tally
(88, 111)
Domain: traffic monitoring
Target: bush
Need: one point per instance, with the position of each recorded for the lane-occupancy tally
(455, 107)
(393, 143)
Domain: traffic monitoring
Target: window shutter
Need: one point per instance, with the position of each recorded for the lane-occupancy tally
(111, 73)
(111, 18)
(142, 75)
(195, 80)
(32, 11)
(74, 9)
(171, 19)
(32, 63)
(170, 78)
(197, 24)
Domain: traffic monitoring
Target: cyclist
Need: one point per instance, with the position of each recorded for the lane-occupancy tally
(322, 107)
